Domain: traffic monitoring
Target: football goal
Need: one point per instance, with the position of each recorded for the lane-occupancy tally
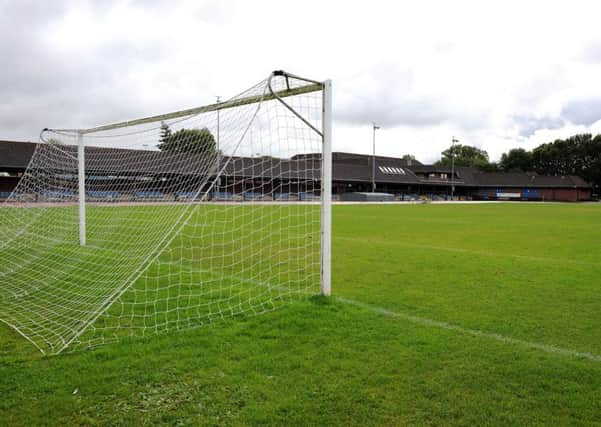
(171, 222)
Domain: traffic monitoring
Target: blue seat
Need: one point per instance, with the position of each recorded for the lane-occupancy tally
(221, 195)
(103, 195)
(186, 195)
(306, 196)
(249, 195)
(145, 195)
(58, 194)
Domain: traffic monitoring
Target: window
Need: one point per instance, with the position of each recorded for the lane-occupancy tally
(388, 170)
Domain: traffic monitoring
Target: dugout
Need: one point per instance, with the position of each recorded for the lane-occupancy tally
(367, 197)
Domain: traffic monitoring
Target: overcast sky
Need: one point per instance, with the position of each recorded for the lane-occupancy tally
(496, 75)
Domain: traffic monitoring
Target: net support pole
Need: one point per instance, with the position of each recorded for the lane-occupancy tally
(81, 177)
(326, 191)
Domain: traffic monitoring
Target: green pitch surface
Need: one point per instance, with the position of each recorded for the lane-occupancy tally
(143, 270)
(443, 314)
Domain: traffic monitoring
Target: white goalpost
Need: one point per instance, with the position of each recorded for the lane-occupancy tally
(173, 221)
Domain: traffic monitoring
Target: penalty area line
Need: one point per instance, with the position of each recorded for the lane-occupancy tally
(473, 332)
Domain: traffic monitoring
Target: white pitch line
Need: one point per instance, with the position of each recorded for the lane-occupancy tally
(474, 332)
(469, 251)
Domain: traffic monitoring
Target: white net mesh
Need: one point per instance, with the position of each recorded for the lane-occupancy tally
(188, 220)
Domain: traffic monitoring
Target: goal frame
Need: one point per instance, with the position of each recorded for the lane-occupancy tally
(326, 155)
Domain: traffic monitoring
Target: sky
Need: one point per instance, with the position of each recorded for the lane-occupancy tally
(494, 74)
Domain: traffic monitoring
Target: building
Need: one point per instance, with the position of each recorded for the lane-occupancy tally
(411, 179)
(132, 173)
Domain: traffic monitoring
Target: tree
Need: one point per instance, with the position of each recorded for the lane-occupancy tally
(592, 163)
(189, 141)
(578, 155)
(408, 157)
(465, 155)
(490, 167)
(571, 156)
(165, 132)
(517, 159)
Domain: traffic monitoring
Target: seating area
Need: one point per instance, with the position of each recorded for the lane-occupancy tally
(249, 195)
(185, 195)
(306, 196)
(222, 195)
(108, 196)
(103, 195)
(148, 195)
(58, 195)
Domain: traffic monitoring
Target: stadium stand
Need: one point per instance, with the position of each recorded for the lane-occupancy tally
(244, 178)
(103, 195)
(148, 195)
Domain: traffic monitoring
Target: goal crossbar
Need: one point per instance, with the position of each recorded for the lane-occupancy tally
(238, 102)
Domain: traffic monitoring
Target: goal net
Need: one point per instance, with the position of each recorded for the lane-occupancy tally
(170, 222)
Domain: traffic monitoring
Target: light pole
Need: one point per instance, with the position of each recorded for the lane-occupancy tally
(453, 141)
(373, 163)
(218, 98)
(218, 180)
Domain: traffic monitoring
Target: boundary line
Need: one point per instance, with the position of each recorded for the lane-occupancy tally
(551, 349)
(469, 251)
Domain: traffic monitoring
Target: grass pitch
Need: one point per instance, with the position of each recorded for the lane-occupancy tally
(447, 314)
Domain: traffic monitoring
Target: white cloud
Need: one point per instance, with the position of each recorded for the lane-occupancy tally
(497, 75)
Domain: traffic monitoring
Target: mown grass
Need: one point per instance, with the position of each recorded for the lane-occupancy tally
(223, 260)
(530, 272)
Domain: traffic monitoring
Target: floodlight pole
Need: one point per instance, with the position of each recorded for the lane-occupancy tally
(373, 163)
(81, 178)
(218, 177)
(453, 141)
(326, 191)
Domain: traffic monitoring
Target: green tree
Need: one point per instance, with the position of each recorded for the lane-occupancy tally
(592, 163)
(516, 159)
(563, 157)
(165, 132)
(408, 157)
(578, 155)
(465, 155)
(189, 141)
(490, 167)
